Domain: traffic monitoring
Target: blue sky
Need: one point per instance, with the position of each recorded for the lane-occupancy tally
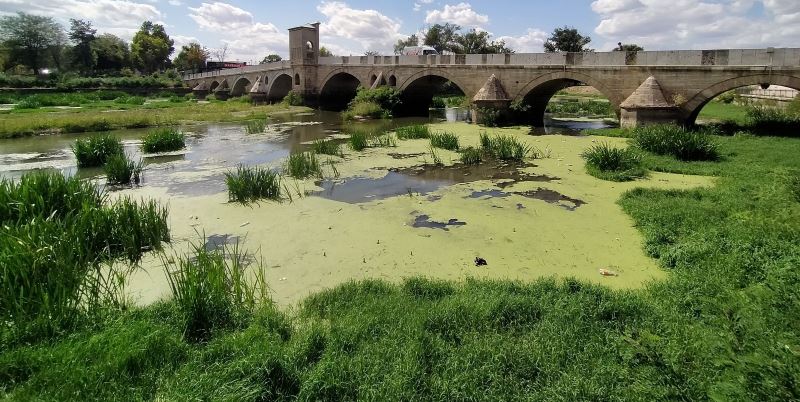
(252, 29)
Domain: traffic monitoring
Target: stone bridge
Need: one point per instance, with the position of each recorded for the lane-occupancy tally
(644, 87)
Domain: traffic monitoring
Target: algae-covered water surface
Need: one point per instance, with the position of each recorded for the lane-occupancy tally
(385, 212)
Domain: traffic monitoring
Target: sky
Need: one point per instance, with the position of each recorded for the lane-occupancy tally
(252, 29)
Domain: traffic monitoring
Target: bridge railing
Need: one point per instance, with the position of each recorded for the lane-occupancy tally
(280, 65)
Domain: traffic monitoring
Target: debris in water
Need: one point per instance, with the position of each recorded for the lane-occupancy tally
(244, 224)
(423, 221)
(480, 262)
(607, 272)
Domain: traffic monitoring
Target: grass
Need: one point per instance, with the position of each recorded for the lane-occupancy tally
(681, 143)
(163, 140)
(358, 140)
(45, 194)
(122, 171)
(504, 147)
(251, 184)
(96, 150)
(385, 140)
(302, 165)
(255, 126)
(326, 147)
(589, 108)
(471, 156)
(720, 111)
(414, 132)
(445, 140)
(615, 164)
(773, 121)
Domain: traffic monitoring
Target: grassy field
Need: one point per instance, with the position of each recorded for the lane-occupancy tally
(105, 115)
(725, 325)
(724, 112)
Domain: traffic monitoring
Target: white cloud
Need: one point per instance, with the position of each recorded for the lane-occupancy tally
(175, 3)
(696, 24)
(370, 29)
(461, 14)
(531, 42)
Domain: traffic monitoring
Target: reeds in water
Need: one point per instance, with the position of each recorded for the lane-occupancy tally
(250, 184)
(505, 147)
(95, 151)
(326, 147)
(682, 143)
(616, 164)
(445, 140)
(358, 140)
(122, 171)
(470, 156)
(414, 132)
(164, 140)
(302, 165)
(255, 126)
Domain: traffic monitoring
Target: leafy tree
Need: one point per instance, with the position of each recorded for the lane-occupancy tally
(371, 53)
(324, 52)
(567, 39)
(192, 57)
(442, 37)
(29, 38)
(59, 48)
(112, 53)
(630, 47)
(82, 35)
(151, 47)
(477, 42)
(272, 58)
(401, 44)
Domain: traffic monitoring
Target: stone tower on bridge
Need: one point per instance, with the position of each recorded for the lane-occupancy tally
(304, 55)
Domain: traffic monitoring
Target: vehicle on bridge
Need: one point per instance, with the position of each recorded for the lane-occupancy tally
(418, 51)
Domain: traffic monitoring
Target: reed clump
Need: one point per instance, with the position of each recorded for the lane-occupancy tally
(167, 139)
(302, 165)
(505, 147)
(419, 131)
(326, 147)
(679, 142)
(250, 184)
(95, 150)
(615, 164)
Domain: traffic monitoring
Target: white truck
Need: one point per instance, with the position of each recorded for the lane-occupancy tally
(419, 51)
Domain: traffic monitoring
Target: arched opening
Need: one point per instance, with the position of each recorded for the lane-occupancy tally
(241, 86)
(564, 98)
(392, 81)
(309, 46)
(280, 88)
(338, 91)
(729, 100)
(214, 85)
(418, 96)
(372, 80)
(297, 79)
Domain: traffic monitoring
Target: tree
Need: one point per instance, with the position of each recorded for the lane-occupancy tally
(191, 58)
(273, 58)
(82, 35)
(151, 47)
(442, 37)
(220, 53)
(29, 38)
(372, 53)
(567, 39)
(477, 42)
(111, 52)
(401, 44)
(631, 47)
(324, 52)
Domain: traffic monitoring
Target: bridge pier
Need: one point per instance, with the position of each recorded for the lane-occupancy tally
(491, 103)
(647, 105)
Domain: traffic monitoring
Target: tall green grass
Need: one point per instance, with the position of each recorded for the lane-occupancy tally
(611, 163)
(505, 147)
(44, 194)
(120, 170)
(773, 121)
(470, 156)
(255, 126)
(215, 289)
(166, 139)
(95, 150)
(419, 131)
(358, 140)
(326, 147)
(681, 143)
(302, 165)
(251, 184)
(384, 140)
(445, 140)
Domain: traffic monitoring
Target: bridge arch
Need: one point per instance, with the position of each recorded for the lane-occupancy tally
(418, 90)
(338, 89)
(214, 85)
(538, 92)
(280, 87)
(695, 104)
(241, 86)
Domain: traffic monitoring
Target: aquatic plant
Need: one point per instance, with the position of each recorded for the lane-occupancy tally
(250, 184)
(445, 140)
(95, 150)
(121, 170)
(163, 140)
(47, 194)
(369, 110)
(505, 147)
(470, 156)
(611, 163)
(292, 99)
(302, 165)
(358, 140)
(215, 289)
(255, 126)
(684, 144)
(326, 147)
(418, 131)
(437, 160)
(130, 100)
(385, 140)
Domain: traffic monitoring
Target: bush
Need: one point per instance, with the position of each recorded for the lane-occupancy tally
(445, 140)
(489, 117)
(95, 151)
(683, 144)
(163, 140)
(387, 98)
(122, 171)
(302, 165)
(293, 99)
(773, 121)
(414, 132)
(470, 156)
(504, 147)
(368, 110)
(250, 184)
(610, 163)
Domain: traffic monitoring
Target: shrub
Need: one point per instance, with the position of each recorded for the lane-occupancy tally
(470, 156)
(489, 117)
(683, 144)
(445, 140)
(250, 184)
(414, 132)
(28, 103)
(610, 163)
(504, 147)
(95, 151)
(358, 140)
(215, 289)
(773, 121)
(326, 147)
(163, 140)
(387, 98)
(122, 171)
(302, 165)
(293, 99)
(370, 110)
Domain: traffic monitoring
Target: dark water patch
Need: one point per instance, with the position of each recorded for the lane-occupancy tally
(405, 156)
(424, 221)
(553, 197)
(219, 242)
(569, 127)
(488, 194)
